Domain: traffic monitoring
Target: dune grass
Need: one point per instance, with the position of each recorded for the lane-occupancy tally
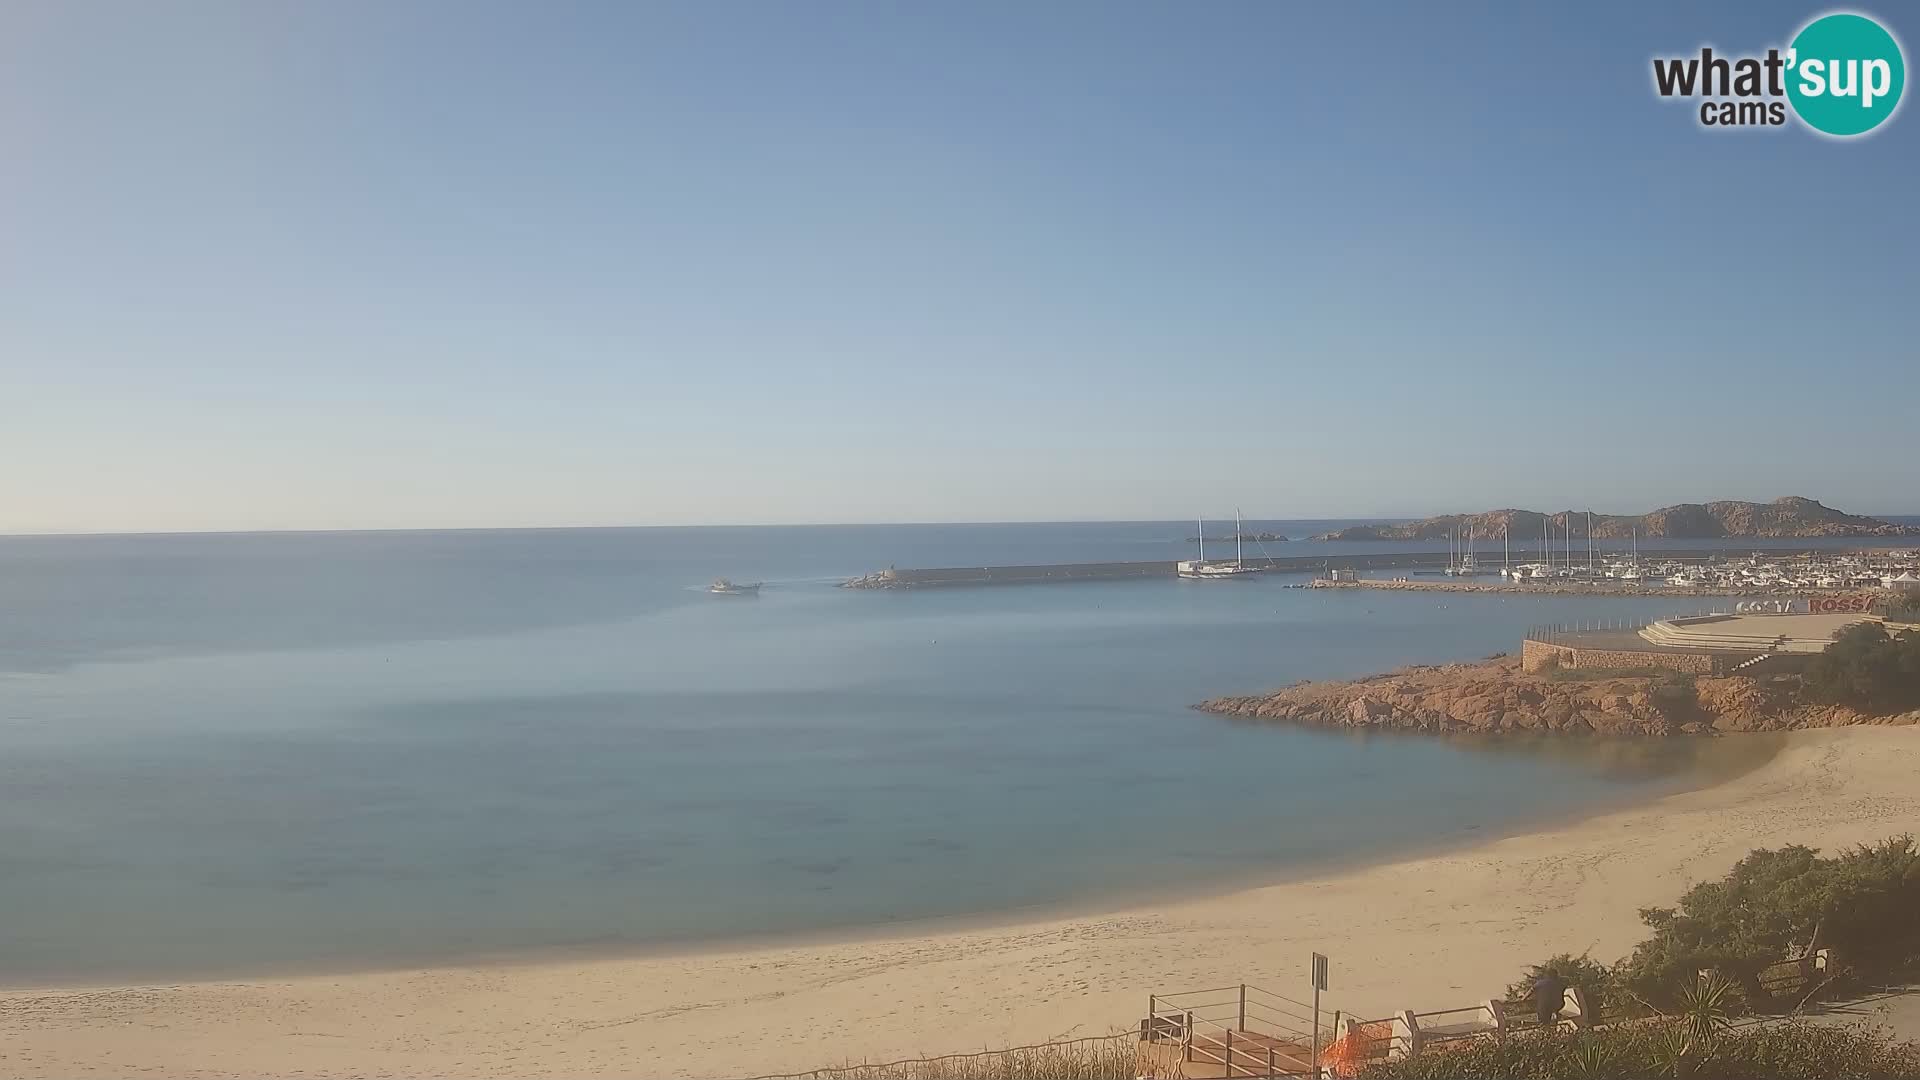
(1108, 1058)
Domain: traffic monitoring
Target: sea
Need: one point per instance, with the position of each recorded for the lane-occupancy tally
(233, 754)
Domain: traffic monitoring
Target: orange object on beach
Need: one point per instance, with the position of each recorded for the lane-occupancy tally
(1350, 1053)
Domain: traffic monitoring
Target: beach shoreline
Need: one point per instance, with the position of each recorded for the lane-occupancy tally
(1764, 746)
(1431, 930)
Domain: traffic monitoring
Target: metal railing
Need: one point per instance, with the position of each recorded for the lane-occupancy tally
(1240, 1006)
(1379, 1040)
(1469, 1022)
(1245, 1031)
(1241, 1030)
(1564, 633)
(1412, 1033)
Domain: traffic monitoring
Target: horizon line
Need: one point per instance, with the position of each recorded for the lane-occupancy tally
(53, 534)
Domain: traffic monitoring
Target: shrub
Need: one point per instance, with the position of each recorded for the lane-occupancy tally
(1788, 1051)
(1737, 926)
(1875, 911)
(1776, 905)
(1112, 1058)
(1796, 1049)
(1582, 971)
(1773, 905)
(1869, 669)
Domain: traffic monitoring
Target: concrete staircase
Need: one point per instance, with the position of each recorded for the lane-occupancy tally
(1746, 633)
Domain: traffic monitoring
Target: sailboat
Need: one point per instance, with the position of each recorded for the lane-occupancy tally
(1466, 567)
(1542, 570)
(1632, 572)
(1202, 570)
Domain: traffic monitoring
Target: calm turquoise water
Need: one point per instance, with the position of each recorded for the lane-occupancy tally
(265, 752)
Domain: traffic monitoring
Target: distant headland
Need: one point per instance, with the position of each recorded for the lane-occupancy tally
(1789, 518)
(1249, 537)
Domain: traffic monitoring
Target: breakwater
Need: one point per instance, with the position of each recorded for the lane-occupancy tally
(1051, 573)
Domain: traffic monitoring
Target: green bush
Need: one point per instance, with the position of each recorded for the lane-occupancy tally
(1582, 971)
(1873, 918)
(1869, 669)
(1775, 905)
(1825, 1051)
(1788, 1051)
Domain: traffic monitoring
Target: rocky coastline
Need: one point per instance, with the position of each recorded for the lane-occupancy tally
(1494, 697)
(1789, 518)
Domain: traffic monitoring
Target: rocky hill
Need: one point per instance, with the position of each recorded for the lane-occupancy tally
(1792, 517)
(1494, 697)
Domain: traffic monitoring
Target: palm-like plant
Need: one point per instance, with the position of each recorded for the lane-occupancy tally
(1706, 1008)
(1670, 1048)
(1593, 1059)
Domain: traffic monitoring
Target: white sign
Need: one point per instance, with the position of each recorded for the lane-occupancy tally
(1769, 607)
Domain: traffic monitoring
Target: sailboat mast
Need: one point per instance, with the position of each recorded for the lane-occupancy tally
(1589, 539)
(1200, 536)
(1238, 532)
(1506, 550)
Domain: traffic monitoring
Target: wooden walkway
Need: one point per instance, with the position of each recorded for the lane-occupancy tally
(1250, 1054)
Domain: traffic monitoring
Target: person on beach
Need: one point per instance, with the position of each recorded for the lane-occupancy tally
(1549, 996)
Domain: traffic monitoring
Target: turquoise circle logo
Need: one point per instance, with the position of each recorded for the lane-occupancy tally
(1845, 74)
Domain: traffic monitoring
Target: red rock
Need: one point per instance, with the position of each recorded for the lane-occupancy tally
(1496, 697)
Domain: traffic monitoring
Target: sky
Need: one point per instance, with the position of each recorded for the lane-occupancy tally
(465, 264)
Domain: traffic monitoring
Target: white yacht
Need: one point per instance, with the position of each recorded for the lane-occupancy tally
(1202, 570)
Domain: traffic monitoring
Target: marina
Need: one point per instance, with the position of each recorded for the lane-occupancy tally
(1667, 572)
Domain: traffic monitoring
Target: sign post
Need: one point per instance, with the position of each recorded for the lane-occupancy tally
(1319, 984)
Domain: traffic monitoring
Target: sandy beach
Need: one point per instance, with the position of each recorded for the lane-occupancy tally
(1428, 932)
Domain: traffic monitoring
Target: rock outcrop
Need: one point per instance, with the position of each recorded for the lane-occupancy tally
(1792, 517)
(1251, 538)
(1494, 697)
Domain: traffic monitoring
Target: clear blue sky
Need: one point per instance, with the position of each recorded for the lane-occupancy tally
(335, 265)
